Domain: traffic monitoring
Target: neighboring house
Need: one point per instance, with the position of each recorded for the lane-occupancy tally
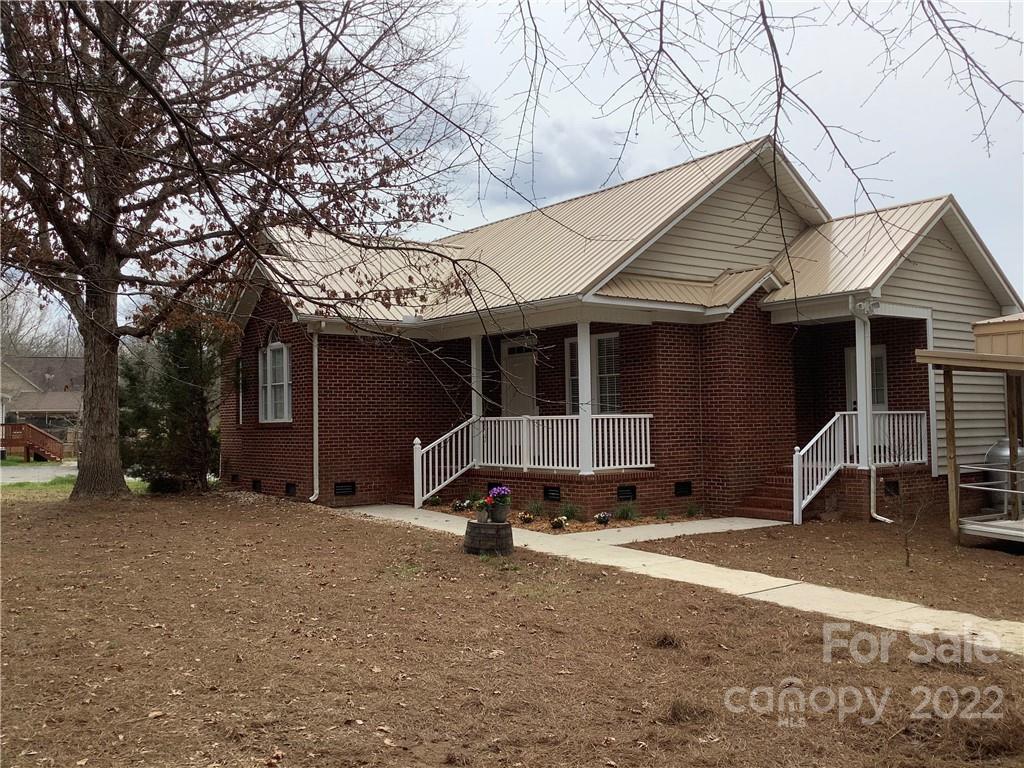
(43, 391)
(716, 320)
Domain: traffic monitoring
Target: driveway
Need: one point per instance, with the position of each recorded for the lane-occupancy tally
(38, 471)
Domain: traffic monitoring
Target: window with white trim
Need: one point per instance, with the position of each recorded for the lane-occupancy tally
(275, 383)
(604, 371)
(607, 369)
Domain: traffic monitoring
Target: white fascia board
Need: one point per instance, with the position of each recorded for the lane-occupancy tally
(821, 309)
(668, 306)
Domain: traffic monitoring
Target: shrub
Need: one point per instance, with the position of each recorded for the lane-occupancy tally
(433, 501)
(535, 508)
(475, 495)
(625, 512)
(603, 518)
(569, 511)
(693, 510)
(661, 514)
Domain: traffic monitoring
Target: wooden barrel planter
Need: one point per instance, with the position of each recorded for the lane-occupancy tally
(487, 538)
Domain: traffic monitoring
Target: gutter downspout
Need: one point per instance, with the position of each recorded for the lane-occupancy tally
(316, 415)
(862, 310)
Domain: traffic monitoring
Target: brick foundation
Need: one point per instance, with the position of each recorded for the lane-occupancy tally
(900, 493)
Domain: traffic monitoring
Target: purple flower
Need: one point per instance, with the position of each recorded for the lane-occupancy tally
(500, 492)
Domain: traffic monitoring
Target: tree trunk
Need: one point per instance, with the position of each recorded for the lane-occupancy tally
(100, 473)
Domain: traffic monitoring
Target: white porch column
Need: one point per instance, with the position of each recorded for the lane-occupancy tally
(583, 368)
(865, 438)
(476, 364)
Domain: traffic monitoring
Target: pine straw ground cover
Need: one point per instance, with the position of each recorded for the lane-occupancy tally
(985, 579)
(233, 630)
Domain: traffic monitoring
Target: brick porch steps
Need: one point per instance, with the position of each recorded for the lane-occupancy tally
(772, 500)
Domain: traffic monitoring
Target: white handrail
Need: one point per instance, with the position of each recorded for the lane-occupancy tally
(834, 447)
(900, 437)
(442, 461)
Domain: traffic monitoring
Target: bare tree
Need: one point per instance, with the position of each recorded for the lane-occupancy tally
(145, 146)
(31, 325)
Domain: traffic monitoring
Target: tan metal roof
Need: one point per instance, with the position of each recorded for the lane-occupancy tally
(724, 291)
(385, 279)
(855, 252)
(566, 248)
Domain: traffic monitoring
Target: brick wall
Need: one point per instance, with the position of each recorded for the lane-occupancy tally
(273, 454)
(729, 399)
(722, 400)
(847, 495)
(748, 406)
(820, 358)
(376, 395)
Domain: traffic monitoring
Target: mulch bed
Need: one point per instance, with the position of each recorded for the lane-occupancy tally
(986, 580)
(543, 523)
(233, 630)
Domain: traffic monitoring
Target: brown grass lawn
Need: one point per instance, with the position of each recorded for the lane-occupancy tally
(985, 579)
(230, 630)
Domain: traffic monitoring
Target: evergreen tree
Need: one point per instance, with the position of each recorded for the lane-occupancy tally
(167, 397)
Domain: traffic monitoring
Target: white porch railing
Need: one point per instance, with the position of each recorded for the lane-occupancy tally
(442, 461)
(622, 441)
(619, 441)
(899, 437)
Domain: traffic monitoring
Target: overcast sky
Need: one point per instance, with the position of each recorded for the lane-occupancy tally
(924, 130)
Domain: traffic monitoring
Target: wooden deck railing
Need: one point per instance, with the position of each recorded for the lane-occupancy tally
(31, 439)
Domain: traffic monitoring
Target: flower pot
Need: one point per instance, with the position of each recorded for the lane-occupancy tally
(481, 515)
(499, 513)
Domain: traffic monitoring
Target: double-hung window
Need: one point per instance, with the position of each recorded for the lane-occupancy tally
(604, 369)
(275, 383)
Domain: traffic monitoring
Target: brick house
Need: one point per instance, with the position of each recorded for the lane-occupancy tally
(731, 336)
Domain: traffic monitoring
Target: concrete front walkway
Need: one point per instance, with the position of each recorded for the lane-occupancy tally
(835, 603)
(654, 531)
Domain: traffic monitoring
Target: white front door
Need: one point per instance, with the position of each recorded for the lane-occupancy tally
(518, 381)
(879, 379)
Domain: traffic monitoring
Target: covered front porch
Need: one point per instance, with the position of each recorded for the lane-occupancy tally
(530, 414)
(862, 402)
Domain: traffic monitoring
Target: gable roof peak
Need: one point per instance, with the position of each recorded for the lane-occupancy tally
(754, 146)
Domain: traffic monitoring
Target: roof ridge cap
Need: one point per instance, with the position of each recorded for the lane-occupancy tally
(922, 201)
(752, 144)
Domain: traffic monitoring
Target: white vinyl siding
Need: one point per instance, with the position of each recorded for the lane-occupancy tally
(275, 374)
(605, 394)
(735, 228)
(938, 274)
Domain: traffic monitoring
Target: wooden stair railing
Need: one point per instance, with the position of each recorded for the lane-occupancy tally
(33, 440)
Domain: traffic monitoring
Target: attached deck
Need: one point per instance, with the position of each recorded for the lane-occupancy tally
(995, 526)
